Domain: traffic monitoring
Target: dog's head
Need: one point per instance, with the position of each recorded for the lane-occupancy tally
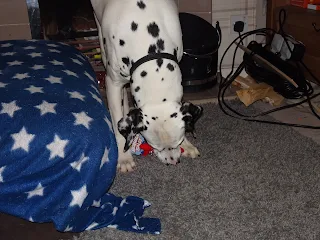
(162, 125)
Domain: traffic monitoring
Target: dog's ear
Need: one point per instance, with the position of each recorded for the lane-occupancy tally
(131, 125)
(191, 114)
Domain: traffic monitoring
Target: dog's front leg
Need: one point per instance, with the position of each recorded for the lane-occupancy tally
(114, 95)
(189, 149)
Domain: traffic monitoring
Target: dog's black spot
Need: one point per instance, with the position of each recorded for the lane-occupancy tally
(121, 42)
(121, 102)
(160, 62)
(146, 115)
(162, 79)
(166, 160)
(137, 89)
(148, 122)
(123, 66)
(169, 149)
(153, 118)
(122, 75)
(138, 100)
(131, 81)
(145, 128)
(175, 53)
(143, 74)
(171, 158)
(152, 48)
(153, 30)
(164, 100)
(113, 36)
(141, 5)
(134, 26)
(108, 63)
(160, 44)
(104, 41)
(174, 115)
(170, 67)
(126, 61)
(157, 70)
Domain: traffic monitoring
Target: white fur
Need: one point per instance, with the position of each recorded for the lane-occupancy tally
(114, 19)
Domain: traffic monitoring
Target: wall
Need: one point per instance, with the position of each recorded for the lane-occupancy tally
(14, 20)
(222, 10)
(202, 8)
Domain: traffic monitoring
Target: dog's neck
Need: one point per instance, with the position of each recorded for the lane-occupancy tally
(155, 82)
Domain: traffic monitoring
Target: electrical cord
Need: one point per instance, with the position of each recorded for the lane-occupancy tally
(225, 83)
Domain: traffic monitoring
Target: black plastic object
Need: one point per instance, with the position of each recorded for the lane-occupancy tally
(199, 63)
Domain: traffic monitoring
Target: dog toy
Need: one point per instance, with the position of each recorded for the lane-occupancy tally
(140, 146)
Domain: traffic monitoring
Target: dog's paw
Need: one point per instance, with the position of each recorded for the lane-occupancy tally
(190, 151)
(126, 164)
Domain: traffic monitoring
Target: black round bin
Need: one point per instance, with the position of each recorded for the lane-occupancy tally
(199, 63)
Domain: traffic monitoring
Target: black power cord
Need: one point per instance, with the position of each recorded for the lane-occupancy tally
(225, 83)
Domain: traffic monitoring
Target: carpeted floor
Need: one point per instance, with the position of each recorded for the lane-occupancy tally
(252, 181)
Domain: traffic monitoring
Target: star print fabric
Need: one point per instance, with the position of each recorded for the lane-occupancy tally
(58, 152)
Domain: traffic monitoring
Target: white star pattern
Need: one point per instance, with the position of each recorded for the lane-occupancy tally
(10, 108)
(68, 229)
(8, 54)
(82, 119)
(70, 73)
(57, 63)
(3, 85)
(81, 57)
(94, 96)
(76, 61)
(52, 45)
(78, 164)
(146, 204)
(92, 225)
(113, 226)
(109, 124)
(53, 79)
(96, 203)
(38, 67)
(114, 212)
(33, 89)
(78, 196)
(29, 48)
(1, 172)
(57, 147)
(55, 116)
(46, 107)
(6, 45)
(35, 54)
(54, 51)
(21, 76)
(105, 157)
(89, 76)
(38, 191)
(15, 63)
(123, 202)
(22, 140)
(77, 95)
(94, 87)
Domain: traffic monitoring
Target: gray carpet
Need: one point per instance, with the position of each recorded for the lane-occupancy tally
(253, 181)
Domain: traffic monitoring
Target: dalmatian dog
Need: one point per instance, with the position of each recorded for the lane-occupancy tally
(141, 45)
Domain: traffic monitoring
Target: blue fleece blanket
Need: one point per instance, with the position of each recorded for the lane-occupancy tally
(58, 153)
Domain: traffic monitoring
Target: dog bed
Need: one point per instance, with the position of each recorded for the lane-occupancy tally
(58, 152)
